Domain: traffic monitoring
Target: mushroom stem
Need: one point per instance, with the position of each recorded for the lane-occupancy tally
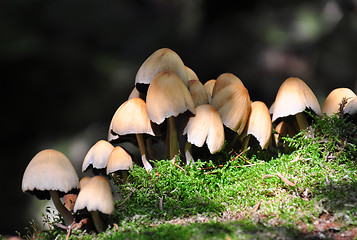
(173, 142)
(97, 221)
(301, 120)
(140, 139)
(67, 216)
(188, 153)
(245, 142)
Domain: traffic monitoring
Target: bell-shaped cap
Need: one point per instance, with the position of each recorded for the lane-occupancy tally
(224, 80)
(163, 59)
(132, 118)
(209, 85)
(49, 170)
(95, 195)
(98, 155)
(293, 97)
(233, 105)
(205, 126)
(191, 75)
(335, 98)
(198, 92)
(259, 123)
(351, 107)
(167, 96)
(283, 129)
(119, 159)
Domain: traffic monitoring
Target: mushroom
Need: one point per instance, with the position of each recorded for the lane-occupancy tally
(168, 97)
(209, 85)
(351, 108)
(163, 59)
(224, 80)
(334, 100)
(96, 196)
(205, 126)
(283, 129)
(293, 97)
(198, 92)
(191, 75)
(233, 105)
(98, 155)
(258, 125)
(132, 118)
(119, 160)
(50, 175)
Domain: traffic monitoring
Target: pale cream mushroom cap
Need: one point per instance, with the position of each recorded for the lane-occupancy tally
(205, 126)
(167, 96)
(209, 85)
(119, 160)
(224, 80)
(283, 129)
(163, 59)
(132, 118)
(233, 105)
(96, 195)
(351, 107)
(259, 123)
(293, 97)
(334, 99)
(198, 92)
(191, 75)
(98, 155)
(50, 170)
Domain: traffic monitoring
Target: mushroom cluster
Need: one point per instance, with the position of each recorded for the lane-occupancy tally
(170, 106)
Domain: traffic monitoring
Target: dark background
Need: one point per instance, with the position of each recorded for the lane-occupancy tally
(67, 65)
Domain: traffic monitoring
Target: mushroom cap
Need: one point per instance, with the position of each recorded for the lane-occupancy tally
(119, 160)
(209, 85)
(284, 129)
(205, 126)
(96, 195)
(259, 123)
(131, 118)
(163, 59)
(224, 80)
(334, 99)
(233, 105)
(198, 92)
(293, 97)
(97, 155)
(351, 107)
(191, 75)
(49, 170)
(167, 96)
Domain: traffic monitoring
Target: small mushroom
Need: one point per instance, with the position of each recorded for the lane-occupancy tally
(198, 92)
(50, 175)
(96, 196)
(119, 160)
(209, 85)
(132, 118)
(168, 97)
(334, 100)
(163, 59)
(205, 126)
(191, 75)
(351, 108)
(224, 80)
(98, 155)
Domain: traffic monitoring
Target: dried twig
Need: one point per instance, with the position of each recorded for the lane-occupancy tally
(132, 191)
(179, 167)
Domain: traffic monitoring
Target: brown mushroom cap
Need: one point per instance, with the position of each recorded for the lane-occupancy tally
(233, 105)
(119, 160)
(224, 80)
(198, 92)
(334, 99)
(163, 59)
(167, 96)
(97, 155)
(132, 118)
(259, 123)
(191, 75)
(96, 195)
(205, 126)
(49, 170)
(293, 97)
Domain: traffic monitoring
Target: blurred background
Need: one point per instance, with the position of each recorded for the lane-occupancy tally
(66, 66)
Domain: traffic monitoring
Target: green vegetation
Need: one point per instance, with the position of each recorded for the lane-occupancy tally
(252, 195)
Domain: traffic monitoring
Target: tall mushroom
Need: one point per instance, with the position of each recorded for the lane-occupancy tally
(50, 175)
(95, 196)
(168, 97)
(132, 118)
(163, 59)
(293, 97)
(205, 126)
